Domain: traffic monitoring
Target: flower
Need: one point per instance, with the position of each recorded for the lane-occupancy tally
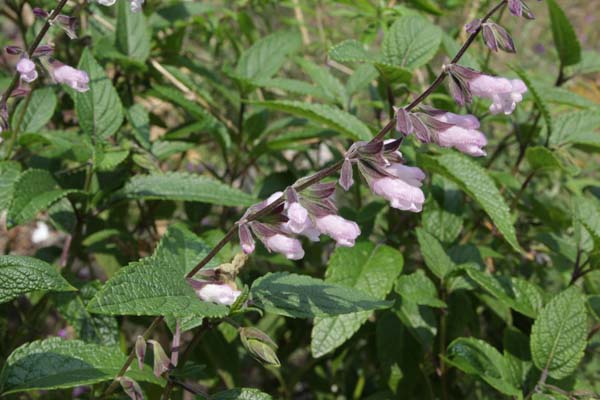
(41, 233)
(504, 93)
(219, 293)
(76, 79)
(26, 68)
(343, 231)
(279, 242)
(136, 5)
(131, 388)
(462, 133)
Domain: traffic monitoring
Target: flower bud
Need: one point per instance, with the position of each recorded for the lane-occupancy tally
(13, 50)
(43, 51)
(162, 363)
(260, 346)
(496, 37)
(131, 388)
(140, 351)
(403, 122)
(246, 240)
(473, 26)
(176, 344)
(520, 9)
(346, 180)
(67, 24)
(38, 12)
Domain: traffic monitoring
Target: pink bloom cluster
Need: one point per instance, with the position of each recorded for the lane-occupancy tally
(311, 214)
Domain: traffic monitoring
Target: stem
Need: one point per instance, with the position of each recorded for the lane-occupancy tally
(16, 128)
(36, 42)
(522, 189)
(113, 386)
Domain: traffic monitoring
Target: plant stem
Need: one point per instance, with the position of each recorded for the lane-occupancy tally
(15, 130)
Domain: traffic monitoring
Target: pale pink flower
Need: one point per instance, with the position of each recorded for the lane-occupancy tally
(76, 79)
(219, 293)
(26, 68)
(341, 230)
(463, 135)
(291, 248)
(504, 93)
(399, 193)
(298, 217)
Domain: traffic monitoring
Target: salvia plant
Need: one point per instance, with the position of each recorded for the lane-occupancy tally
(299, 199)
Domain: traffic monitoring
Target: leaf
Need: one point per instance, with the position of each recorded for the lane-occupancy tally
(419, 289)
(35, 190)
(140, 122)
(300, 296)
(21, 274)
(99, 329)
(9, 173)
(132, 37)
(535, 91)
(420, 321)
(587, 212)
(39, 111)
(341, 121)
(267, 55)
(517, 356)
(576, 127)
(558, 336)
(329, 84)
(515, 293)
(434, 255)
(99, 110)
(184, 187)
(58, 364)
(111, 159)
(156, 285)
(565, 38)
(411, 42)
(350, 51)
(562, 96)
(292, 86)
(365, 267)
(476, 357)
(543, 159)
(475, 181)
(241, 394)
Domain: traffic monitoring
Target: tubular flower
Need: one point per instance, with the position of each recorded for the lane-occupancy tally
(504, 93)
(136, 5)
(76, 79)
(381, 165)
(26, 69)
(215, 291)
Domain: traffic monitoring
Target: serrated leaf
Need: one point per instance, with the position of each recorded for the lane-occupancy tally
(109, 160)
(328, 83)
(350, 51)
(241, 394)
(542, 158)
(9, 173)
(334, 118)
(267, 55)
(515, 293)
(156, 285)
(420, 321)
(476, 357)
(21, 274)
(39, 111)
(419, 289)
(58, 364)
(434, 255)
(565, 38)
(476, 182)
(99, 329)
(368, 268)
(34, 191)
(184, 187)
(300, 296)
(562, 96)
(132, 37)
(558, 336)
(99, 110)
(139, 119)
(411, 42)
(535, 91)
(292, 86)
(578, 127)
(587, 212)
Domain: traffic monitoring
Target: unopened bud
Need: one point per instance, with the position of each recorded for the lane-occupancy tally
(13, 50)
(162, 363)
(140, 350)
(131, 388)
(403, 122)
(260, 346)
(473, 26)
(38, 12)
(496, 37)
(176, 344)
(43, 51)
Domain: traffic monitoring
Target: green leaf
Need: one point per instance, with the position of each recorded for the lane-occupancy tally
(301, 296)
(21, 274)
(434, 255)
(39, 111)
(515, 293)
(578, 127)
(140, 122)
(341, 121)
(185, 187)
(99, 110)
(543, 159)
(419, 289)
(267, 55)
(558, 336)
(476, 357)
(411, 42)
(517, 356)
(587, 212)
(350, 51)
(292, 86)
(111, 159)
(133, 37)
(565, 38)
(365, 267)
(58, 364)
(241, 394)
(475, 181)
(535, 91)
(329, 84)
(34, 191)
(420, 321)
(156, 285)
(9, 173)
(99, 329)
